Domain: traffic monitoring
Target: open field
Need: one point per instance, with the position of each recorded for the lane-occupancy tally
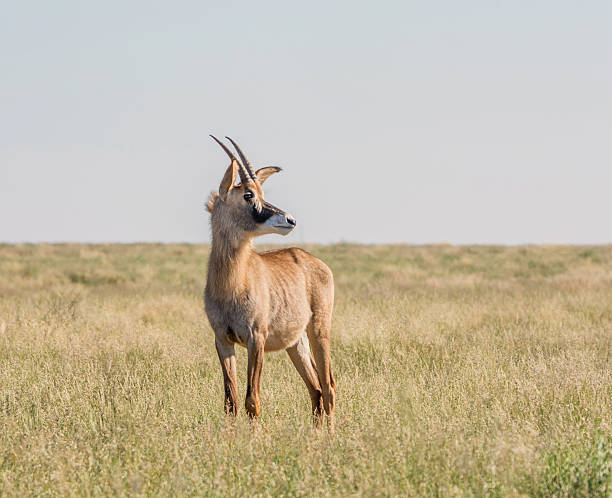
(460, 371)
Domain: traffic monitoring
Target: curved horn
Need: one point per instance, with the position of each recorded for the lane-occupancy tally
(247, 163)
(244, 175)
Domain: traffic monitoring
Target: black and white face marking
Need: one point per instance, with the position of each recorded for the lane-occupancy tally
(270, 219)
(266, 212)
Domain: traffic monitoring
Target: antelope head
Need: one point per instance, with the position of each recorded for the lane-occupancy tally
(241, 207)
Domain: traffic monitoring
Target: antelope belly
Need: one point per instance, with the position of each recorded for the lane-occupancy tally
(282, 339)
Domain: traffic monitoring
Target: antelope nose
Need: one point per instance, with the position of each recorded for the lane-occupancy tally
(291, 220)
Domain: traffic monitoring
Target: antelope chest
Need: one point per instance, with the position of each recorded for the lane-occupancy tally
(237, 321)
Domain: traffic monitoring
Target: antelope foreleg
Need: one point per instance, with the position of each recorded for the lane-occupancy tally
(227, 358)
(255, 348)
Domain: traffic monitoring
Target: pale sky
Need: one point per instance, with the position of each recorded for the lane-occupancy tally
(441, 121)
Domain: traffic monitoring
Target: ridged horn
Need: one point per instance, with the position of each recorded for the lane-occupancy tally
(244, 174)
(245, 161)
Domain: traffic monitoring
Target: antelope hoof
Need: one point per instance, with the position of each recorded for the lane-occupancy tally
(252, 407)
(330, 425)
(317, 414)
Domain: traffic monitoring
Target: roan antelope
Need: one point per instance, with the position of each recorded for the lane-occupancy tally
(265, 301)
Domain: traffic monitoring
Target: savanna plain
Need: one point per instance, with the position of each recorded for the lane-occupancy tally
(461, 371)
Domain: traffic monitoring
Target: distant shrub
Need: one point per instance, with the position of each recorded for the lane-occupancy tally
(95, 280)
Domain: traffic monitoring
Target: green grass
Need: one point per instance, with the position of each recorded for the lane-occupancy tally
(461, 371)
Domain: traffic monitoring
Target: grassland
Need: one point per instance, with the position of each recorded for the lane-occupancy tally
(461, 371)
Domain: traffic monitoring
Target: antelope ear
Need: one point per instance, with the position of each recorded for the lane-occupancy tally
(228, 180)
(262, 174)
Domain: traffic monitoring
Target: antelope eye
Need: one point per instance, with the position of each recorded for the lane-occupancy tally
(248, 196)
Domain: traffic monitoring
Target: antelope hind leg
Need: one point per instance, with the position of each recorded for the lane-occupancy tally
(319, 332)
(304, 364)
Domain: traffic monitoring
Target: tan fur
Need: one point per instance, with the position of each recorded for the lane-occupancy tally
(270, 301)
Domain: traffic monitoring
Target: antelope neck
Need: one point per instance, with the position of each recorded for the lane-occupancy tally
(229, 257)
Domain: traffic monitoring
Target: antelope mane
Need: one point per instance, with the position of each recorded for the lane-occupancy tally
(211, 201)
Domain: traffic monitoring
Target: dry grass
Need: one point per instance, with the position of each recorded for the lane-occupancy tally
(460, 370)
